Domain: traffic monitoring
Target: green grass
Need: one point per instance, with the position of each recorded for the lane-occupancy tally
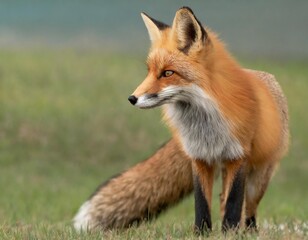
(66, 126)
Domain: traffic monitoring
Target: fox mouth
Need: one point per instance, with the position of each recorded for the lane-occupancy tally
(152, 101)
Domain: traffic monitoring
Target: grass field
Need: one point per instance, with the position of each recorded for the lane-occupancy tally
(66, 126)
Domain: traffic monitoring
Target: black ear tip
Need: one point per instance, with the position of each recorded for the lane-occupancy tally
(187, 8)
(161, 26)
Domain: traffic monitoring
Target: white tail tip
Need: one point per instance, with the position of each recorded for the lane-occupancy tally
(83, 218)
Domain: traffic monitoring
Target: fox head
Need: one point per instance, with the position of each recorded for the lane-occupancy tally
(176, 61)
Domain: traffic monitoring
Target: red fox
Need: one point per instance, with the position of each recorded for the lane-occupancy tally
(223, 118)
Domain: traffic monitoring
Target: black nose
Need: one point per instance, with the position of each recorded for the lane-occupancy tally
(132, 99)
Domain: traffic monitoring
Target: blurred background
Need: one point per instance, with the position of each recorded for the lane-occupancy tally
(276, 28)
(66, 70)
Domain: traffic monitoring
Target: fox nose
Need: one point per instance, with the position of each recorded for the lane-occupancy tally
(132, 99)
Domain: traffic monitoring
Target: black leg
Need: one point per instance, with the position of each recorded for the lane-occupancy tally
(251, 223)
(234, 204)
(202, 213)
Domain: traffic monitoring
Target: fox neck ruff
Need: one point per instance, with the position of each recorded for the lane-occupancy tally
(204, 132)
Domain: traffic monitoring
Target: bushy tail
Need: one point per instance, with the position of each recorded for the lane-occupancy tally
(140, 193)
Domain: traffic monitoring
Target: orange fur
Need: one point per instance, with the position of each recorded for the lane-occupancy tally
(248, 105)
(250, 113)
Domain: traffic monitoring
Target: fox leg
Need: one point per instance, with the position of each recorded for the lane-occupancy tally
(232, 197)
(203, 185)
(256, 185)
(223, 193)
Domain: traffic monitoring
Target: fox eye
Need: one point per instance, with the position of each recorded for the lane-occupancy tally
(167, 73)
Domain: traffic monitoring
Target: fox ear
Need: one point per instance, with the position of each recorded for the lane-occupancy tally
(187, 30)
(154, 27)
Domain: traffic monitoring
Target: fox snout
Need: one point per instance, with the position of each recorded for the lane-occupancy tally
(132, 99)
(146, 100)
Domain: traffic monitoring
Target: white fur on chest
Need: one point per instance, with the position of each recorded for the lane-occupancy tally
(204, 132)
